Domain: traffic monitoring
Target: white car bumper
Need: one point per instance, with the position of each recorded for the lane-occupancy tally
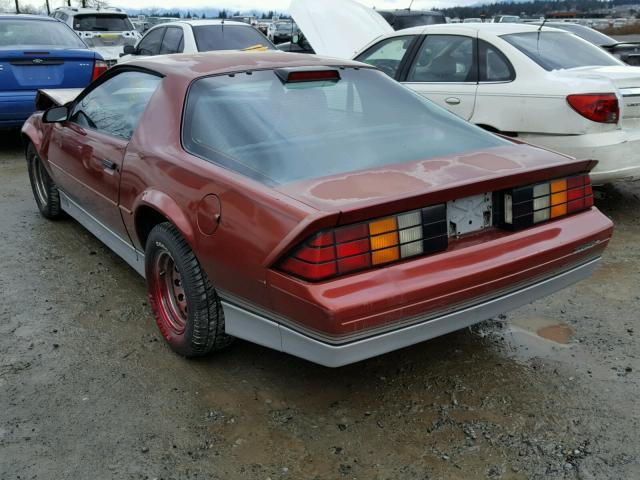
(617, 152)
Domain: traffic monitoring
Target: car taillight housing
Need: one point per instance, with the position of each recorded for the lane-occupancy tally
(532, 204)
(601, 108)
(99, 67)
(382, 241)
(370, 244)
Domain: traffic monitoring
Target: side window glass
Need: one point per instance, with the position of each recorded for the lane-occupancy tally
(444, 58)
(172, 41)
(387, 54)
(116, 106)
(150, 44)
(494, 66)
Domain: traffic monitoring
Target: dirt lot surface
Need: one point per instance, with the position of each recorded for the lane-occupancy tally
(88, 389)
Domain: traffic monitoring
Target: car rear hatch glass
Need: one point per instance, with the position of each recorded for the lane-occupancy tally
(279, 132)
(103, 22)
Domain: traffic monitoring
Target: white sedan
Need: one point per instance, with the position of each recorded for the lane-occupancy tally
(545, 86)
(192, 36)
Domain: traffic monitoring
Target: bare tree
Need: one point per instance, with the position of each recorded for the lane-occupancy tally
(95, 3)
(17, 7)
(48, 7)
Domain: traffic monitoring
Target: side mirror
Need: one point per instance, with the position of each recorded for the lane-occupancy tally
(56, 114)
(295, 38)
(129, 50)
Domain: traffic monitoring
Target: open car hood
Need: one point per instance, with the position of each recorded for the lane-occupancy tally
(338, 28)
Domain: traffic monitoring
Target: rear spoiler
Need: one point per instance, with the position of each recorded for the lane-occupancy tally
(55, 97)
(440, 194)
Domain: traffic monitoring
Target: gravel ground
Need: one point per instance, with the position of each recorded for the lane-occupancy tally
(88, 389)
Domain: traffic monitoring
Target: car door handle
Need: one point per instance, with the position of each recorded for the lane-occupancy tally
(109, 165)
(453, 100)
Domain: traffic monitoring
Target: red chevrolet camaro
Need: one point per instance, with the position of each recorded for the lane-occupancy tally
(308, 204)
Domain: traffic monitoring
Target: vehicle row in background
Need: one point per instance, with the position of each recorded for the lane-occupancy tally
(543, 85)
(281, 31)
(405, 18)
(39, 52)
(191, 36)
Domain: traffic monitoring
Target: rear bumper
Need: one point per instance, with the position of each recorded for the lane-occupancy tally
(374, 301)
(256, 328)
(16, 107)
(617, 152)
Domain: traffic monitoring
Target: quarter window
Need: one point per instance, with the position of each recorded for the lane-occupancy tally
(150, 44)
(445, 58)
(494, 66)
(116, 106)
(387, 55)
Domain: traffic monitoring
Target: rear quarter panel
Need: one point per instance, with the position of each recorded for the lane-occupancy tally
(535, 102)
(158, 173)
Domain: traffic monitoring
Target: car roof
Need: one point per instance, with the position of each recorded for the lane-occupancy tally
(204, 22)
(14, 16)
(493, 28)
(92, 11)
(192, 66)
(559, 24)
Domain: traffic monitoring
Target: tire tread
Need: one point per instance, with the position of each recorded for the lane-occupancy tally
(207, 317)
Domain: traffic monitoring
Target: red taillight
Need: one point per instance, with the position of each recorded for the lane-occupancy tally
(369, 244)
(601, 108)
(99, 67)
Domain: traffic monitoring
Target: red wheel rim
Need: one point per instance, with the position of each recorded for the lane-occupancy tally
(169, 294)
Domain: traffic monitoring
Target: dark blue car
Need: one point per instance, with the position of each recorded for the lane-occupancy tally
(39, 52)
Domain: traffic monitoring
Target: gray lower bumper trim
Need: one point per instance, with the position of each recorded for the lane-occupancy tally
(254, 328)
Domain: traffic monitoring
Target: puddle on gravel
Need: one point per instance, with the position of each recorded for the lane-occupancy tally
(545, 328)
(536, 336)
(556, 333)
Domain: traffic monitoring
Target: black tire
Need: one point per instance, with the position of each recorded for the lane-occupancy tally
(44, 189)
(194, 324)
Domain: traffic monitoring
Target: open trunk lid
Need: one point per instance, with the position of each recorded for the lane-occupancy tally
(33, 68)
(338, 28)
(55, 97)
